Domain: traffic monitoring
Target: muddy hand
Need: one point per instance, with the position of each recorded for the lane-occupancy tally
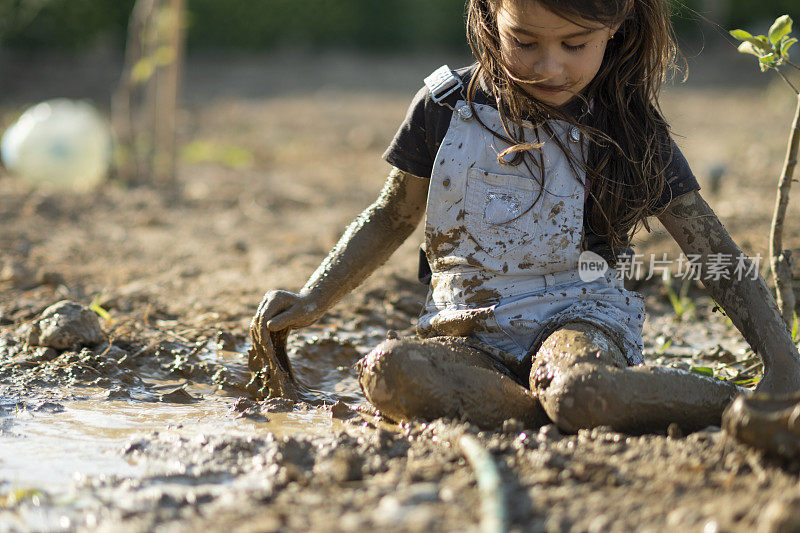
(281, 310)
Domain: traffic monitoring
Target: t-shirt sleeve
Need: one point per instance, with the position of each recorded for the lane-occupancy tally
(416, 142)
(679, 176)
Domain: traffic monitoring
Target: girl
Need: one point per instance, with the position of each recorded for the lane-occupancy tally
(551, 145)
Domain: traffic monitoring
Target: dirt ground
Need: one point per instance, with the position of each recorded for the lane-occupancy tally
(148, 428)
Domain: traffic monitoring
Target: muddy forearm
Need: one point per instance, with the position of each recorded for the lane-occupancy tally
(747, 301)
(369, 241)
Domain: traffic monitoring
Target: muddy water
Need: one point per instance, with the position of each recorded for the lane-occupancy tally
(56, 438)
(84, 439)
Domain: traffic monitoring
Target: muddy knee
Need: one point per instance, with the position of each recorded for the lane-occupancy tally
(581, 343)
(569, 346)
(582, 397)
(387, 376)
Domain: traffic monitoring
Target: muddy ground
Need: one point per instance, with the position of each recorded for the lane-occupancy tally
(146, 427)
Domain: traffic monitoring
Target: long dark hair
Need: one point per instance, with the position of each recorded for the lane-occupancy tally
(629, 143)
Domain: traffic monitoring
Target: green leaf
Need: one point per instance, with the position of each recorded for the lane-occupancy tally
(703, 370)
(768, 61)
(785, 44)
(741, 35)
(748, 48)
(761, 42)
(780, 28)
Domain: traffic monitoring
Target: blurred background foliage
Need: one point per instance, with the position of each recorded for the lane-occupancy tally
(265, 24)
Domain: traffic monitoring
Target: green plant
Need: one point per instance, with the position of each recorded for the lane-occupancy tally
(102, 313)
(772, 52)
(682, 304)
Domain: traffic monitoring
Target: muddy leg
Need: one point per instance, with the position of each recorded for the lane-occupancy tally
(433, 378)
(583, 381)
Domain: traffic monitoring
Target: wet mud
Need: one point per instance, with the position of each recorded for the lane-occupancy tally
(151, 428)
(142, 433)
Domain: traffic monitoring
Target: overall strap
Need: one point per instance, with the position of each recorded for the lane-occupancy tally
(442, 83)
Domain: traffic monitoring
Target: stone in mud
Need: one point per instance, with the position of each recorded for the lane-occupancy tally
(768, 423)
(342, 411)
(179, 395)
(118, 393)
(277, 405)
(66, 326)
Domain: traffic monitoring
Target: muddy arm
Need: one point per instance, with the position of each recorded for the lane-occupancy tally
(747, 302)
(372, 237)
(366, 244)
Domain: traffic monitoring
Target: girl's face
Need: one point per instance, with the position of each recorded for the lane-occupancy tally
(559, 57)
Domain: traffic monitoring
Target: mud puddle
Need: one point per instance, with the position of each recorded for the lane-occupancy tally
(54, 446)
(154, 432)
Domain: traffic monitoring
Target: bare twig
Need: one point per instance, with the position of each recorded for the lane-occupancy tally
(787, 81)
(780, 260)
(493, 505)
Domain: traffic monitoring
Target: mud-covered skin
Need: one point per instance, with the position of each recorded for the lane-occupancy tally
(582, 381)
(748, 302)
(768, 423)
(444, 377)
(366, 244)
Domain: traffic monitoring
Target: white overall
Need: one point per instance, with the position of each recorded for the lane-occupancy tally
(504, 263)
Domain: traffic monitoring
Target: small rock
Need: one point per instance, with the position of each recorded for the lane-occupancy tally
(243, 404)
(342, 411)
(66, 326)
(179, 395)
(49, 407)
(118, 393)
(277, 405)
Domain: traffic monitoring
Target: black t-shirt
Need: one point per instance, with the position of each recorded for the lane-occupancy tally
(416, 143)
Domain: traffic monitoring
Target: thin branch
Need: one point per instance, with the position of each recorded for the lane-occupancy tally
(780, 259)
(787, 80)
(792, 64)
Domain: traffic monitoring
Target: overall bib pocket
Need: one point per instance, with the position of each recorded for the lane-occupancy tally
(499, 217)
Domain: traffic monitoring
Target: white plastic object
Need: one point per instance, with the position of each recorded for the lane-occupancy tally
(64, 143)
